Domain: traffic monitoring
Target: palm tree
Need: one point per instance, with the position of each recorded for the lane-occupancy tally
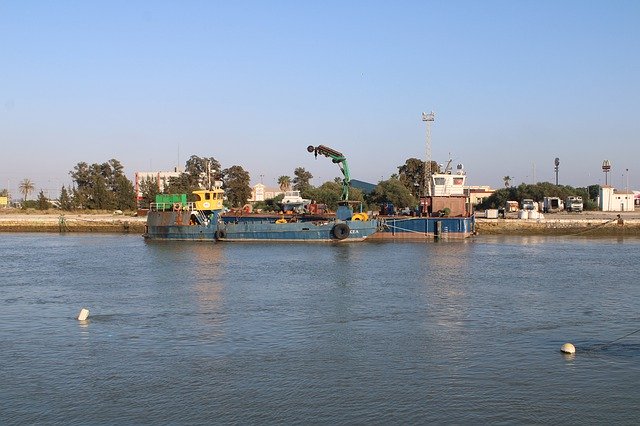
(284, 182)
(507, 181)
(26, 187)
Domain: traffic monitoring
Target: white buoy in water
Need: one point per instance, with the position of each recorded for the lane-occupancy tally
(568, 348)
(84, 314)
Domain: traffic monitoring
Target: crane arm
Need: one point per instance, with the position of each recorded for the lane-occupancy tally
(338, 159)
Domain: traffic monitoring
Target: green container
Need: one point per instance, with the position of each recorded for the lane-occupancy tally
(166, 201)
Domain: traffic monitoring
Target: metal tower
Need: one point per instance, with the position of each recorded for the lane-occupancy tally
(428, 118)
(606, 168)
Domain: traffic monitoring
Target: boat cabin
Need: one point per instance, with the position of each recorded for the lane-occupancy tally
(209, 199)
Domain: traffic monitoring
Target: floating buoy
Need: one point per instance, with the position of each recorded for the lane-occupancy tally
(84, 314)
(568, 348)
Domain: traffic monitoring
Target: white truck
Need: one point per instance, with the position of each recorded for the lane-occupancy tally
(552, 204)
(574, 204)
(529, 204)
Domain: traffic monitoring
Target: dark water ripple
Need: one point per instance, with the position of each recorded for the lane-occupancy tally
(459, 332)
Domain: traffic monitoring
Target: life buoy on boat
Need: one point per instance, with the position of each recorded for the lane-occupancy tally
(220, 234)
(340, 231)
(283, 220)
(360, 216)
(177, 207)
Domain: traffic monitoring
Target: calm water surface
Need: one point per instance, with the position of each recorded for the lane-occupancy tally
(453, 332)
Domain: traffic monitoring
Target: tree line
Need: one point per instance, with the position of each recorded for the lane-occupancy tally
(99, 186)
(104, 186)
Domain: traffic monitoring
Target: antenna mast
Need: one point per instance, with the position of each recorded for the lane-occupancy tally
(428, 118)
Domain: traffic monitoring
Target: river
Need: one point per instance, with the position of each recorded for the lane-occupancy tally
(199, 333)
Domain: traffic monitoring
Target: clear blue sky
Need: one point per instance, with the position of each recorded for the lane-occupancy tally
(514, 84)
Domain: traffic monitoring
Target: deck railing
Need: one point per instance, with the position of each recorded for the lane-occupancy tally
(163, 207)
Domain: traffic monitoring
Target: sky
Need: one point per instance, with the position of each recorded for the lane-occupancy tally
(513, 84)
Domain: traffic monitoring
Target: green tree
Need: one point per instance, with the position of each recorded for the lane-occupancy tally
(284, 182)
(202, 171)
(125, 194)
(274, 204)
(43, 202)
(535, 192)
(182, 184)
(393, 191)
(328, 193)
(26, 187)
(102, 186)
(4, 192)
(236, 185)
(99, 196)
(593, 191)
(301, 181)
(149, 189)
(411, 174)
(66, 203)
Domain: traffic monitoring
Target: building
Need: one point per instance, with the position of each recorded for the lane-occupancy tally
(162, 179)
(477, 194)
(259, 192)
(612, 200)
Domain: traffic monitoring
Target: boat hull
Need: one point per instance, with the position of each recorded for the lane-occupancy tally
(425, 228)
(170, 225)
(311, 231)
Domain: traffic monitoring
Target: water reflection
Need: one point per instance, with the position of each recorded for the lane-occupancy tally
(84, 329)
(208, 286)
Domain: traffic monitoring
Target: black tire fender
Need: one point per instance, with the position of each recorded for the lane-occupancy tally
(220, 234)
(341, 231)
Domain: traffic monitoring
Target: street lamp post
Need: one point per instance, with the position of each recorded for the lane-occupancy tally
(626, 172)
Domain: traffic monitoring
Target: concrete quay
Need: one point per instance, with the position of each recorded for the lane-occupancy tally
(578, 224)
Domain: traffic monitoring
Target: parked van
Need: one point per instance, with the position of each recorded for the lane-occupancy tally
(574, 204)
(552, 204)
(512, 206)
(529, 204)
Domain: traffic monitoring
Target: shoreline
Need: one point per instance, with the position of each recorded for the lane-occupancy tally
(588, 224)
(559, 227)
(71, 222)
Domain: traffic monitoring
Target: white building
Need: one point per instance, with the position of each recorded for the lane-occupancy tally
(612, 200)
(162, 178)
(259, 192)
(477, 194)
